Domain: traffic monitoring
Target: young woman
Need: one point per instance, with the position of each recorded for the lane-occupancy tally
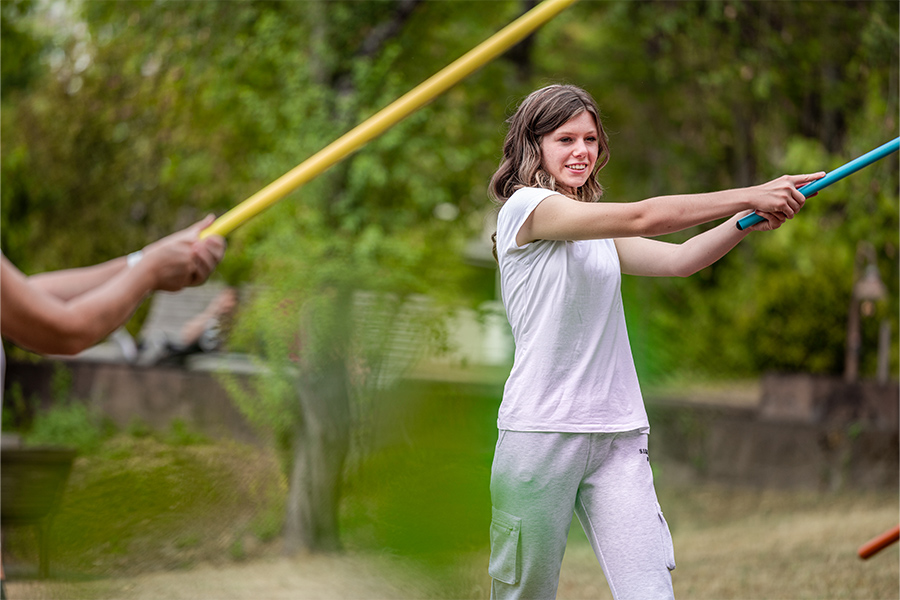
(572, 425)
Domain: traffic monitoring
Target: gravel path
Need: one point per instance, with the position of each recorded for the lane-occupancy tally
(308, 577)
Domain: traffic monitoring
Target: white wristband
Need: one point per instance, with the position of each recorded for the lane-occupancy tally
(134, 258)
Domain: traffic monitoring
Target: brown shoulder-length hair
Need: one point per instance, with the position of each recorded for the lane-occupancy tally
(542, 112)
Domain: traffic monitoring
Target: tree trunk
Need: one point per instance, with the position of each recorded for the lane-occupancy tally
(520, 54)
(321, 438)
(322, 435)
(320, 445)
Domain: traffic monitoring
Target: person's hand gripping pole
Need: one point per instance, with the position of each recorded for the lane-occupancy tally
(851, 167)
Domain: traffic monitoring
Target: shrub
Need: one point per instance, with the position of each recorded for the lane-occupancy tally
(69, 424)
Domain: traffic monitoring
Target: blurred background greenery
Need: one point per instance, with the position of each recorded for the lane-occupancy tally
(122, 121)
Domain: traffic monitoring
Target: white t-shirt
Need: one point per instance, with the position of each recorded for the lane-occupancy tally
(573, 370)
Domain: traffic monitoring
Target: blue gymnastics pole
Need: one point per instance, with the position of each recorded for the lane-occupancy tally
(848, 169)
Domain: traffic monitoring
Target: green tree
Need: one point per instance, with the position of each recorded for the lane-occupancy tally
(712, 95)
(20, 48)
(353, 253)
(126, 134)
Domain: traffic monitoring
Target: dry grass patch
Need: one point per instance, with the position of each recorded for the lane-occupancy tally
(763, 545)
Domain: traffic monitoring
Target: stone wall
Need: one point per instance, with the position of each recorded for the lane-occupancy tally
(741, 447)
(155, 396)
(802, 398)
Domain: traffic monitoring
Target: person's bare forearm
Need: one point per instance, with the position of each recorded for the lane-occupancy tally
(47, 314)
(668, 214)
(655, 258)
(47, 324)
(561, 218)
(706, 248)
(70, 283)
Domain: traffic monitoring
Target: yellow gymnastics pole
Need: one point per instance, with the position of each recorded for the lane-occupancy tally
(377, 124)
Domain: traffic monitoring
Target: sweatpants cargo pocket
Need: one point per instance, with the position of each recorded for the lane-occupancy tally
(504, 564)
(668, 545)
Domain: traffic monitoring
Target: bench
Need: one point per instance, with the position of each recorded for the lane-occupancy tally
(162, 334)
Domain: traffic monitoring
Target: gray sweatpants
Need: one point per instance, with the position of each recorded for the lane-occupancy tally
(538, 479)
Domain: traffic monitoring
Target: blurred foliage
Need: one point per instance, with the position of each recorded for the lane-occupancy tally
(122, 121)
(711, 95)
(19, 47)
(144, 504)
(70, 424)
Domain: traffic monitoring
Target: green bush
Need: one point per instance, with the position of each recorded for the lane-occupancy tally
(69, 424)
(180, 434)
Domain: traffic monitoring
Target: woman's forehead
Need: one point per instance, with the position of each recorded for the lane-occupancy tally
(583, 121)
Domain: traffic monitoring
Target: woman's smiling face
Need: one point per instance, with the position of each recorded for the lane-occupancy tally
(569, 153)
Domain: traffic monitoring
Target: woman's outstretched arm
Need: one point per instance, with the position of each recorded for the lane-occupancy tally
(654, 258)
(561, 218)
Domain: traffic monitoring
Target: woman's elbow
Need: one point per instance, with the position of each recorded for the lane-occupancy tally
(684, 271)
(678, 265)
(75, 346)
(64, 345)
(69, 339)
(50, 344)
(647, 223)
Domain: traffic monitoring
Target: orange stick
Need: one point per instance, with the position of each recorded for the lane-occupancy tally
(879, 543)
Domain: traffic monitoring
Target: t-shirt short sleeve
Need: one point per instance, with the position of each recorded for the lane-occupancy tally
(513, 215)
